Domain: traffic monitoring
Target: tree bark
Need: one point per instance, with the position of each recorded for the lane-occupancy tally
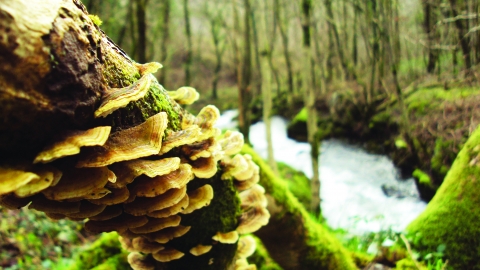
(165, 40)
(141, 6)
(462, 29)
(244, 83)
(430, 10)
(188, 33)
(452, 215)
(309, 101)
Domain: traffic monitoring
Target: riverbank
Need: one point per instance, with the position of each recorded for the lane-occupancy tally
(439, 122)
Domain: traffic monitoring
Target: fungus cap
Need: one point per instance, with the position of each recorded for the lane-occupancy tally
(40, 203)
(172, 210)
(199, 198)
(12, 179)
(12, 202)
(200, 250)
(47, 176)
(226, 238)
(143, 205)
(108, 213)
(184, 95)
(127, 171)
(253, 196)
(143, 245)
(79, 183)
(246, 246)
(252, 219)
(87, 210)
(167, 255)
(119, 224)
(69, 143)
(147, 68)
(136, 142)
(152, 187)
(140, 262)
(167, 234)
(156, 224)
(207, 117)
(116, 196)
(232, 142)
(116, 98)
(182, 137)
(204, 167)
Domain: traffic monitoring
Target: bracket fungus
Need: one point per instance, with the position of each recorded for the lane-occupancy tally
(173, 192)
(184, 95)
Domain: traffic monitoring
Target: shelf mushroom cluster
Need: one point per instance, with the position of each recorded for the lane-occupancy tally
(134, 181)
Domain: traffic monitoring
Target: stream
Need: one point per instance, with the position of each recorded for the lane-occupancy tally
(354, 183)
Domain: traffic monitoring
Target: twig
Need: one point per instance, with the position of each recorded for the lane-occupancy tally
(409, 249)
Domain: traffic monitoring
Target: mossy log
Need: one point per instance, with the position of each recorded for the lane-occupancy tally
(452, 217)
(57, 69)
(293, 239)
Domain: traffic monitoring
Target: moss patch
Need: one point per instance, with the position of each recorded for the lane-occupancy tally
(453, 215)
(221, 215)
(297, 182)
(104, 253)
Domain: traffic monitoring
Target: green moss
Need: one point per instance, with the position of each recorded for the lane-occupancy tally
(425, 100)
(423, 178)
(321, 250)
(261, 258)
(95, 19)
(453, 215)
(297, 182)
(301, 116)
(104, 253)
(221, 215)
(155, 101)
(407, 264)
(440, 153)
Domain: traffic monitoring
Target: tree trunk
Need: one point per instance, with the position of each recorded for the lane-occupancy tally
(188, 33)
(309, 100)
(462, 30)
(244, 87)
(285, 40)
(429, 21)
(452, 216)
(141, 6)
(293, 239)
(267, 111)
(165, 29)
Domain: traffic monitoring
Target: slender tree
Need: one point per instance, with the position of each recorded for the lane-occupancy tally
(282, 23)
(244, 83)
(457, 7)
(188, 33)
(309, 100)
(141, 6)
(165, 39)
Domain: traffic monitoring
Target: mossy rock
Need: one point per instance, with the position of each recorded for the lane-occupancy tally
(452, 217)
(297, 128)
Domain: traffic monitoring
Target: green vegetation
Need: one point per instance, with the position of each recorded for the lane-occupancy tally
(28, 239)
(450, 222)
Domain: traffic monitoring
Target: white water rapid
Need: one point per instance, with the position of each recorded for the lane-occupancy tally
(351, 180)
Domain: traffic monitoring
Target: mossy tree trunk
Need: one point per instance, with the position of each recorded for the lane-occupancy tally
(292, 237)
(452, 216)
